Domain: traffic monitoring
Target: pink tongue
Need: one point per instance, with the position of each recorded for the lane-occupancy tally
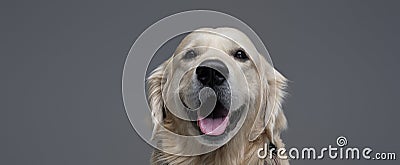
(212, 126)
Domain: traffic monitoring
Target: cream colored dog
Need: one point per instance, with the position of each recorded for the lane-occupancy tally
(247, 88)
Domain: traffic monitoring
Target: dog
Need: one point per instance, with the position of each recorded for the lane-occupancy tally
(223, 64)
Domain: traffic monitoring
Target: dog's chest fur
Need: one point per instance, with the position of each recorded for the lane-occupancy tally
(230, 154)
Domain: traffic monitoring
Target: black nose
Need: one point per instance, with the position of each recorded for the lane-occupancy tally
(212, 72)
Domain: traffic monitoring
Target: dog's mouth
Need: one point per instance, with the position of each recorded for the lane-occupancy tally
(216, 122)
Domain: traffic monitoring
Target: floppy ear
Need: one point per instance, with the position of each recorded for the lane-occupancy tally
(270, 117)
(154, 83)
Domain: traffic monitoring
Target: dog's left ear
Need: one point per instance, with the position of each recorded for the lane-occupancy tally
(270, 117)
(156, 102)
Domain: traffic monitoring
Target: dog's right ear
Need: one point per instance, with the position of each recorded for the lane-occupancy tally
(270, 117)
(155, 82)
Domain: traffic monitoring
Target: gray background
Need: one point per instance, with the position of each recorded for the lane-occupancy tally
(61, 67)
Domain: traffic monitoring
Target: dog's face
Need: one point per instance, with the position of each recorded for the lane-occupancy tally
(220, 74)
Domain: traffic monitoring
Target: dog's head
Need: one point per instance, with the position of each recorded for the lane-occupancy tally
(219, 73)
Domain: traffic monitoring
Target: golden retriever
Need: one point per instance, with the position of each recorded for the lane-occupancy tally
(246, 91)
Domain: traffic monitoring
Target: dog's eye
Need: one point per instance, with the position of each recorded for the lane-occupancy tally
(190, 54)
(240, 54)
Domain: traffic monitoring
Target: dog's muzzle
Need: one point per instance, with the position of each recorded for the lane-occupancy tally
(214, 74)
